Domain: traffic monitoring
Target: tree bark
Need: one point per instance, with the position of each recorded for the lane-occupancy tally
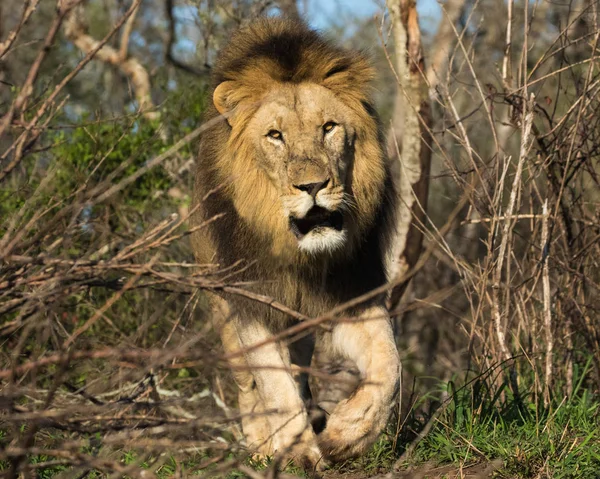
(409, 143)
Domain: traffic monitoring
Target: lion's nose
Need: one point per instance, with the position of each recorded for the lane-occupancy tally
(312, 188)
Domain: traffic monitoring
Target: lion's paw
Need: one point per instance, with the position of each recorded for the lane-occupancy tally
(308, 457)
(304, 452)
(351, 429)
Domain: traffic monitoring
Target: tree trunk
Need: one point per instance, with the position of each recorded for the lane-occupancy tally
(409, 144)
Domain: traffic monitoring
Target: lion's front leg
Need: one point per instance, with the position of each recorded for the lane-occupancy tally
(292, 436)
(356, 422)
(255, 426)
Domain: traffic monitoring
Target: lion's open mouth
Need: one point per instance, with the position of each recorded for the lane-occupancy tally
(316, 219)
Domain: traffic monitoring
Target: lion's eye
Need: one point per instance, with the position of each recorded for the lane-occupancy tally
(276, 135)
(330, 125)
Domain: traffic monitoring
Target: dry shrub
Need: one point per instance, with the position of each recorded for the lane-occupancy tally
(109, 361)
(514, 201)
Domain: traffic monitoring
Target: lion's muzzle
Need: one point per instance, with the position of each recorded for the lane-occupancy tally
(316, 219)
(320, 230)
(314, 211)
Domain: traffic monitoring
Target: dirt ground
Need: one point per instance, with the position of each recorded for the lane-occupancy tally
(429, 471)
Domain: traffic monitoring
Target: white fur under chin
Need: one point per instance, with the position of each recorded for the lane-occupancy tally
(325, 240)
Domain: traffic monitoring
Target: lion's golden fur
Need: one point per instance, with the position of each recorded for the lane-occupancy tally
(267, 53)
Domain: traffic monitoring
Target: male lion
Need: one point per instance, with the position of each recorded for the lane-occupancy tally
(297, 166)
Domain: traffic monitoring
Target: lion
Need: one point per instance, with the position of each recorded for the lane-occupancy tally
(294, 163)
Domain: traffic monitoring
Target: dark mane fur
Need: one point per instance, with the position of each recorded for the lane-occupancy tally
(297, 53)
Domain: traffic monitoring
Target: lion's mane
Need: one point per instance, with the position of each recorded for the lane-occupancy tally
(267, 52)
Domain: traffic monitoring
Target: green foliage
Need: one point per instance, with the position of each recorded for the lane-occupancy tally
(111, 150)
(46, 471)
(94, 151)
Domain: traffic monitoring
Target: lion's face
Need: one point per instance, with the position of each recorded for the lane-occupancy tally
(303, 139)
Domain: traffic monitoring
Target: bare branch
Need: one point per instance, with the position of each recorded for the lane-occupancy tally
(442, 43)
(545, 249)
(127, 29)
(28, 8)
(75, 30)
(506, 61)
(499, 311)
(24, 138)
(20, 102)
(169, 6)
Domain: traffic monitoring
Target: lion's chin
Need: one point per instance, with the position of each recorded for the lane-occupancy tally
(322, 240)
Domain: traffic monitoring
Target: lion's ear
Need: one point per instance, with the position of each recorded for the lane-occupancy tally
(222, 97)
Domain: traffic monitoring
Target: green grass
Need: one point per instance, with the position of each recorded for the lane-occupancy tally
(479, 423)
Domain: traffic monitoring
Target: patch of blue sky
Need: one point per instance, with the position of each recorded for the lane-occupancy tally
(186, 33)
(320, 14)
(323, 14)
